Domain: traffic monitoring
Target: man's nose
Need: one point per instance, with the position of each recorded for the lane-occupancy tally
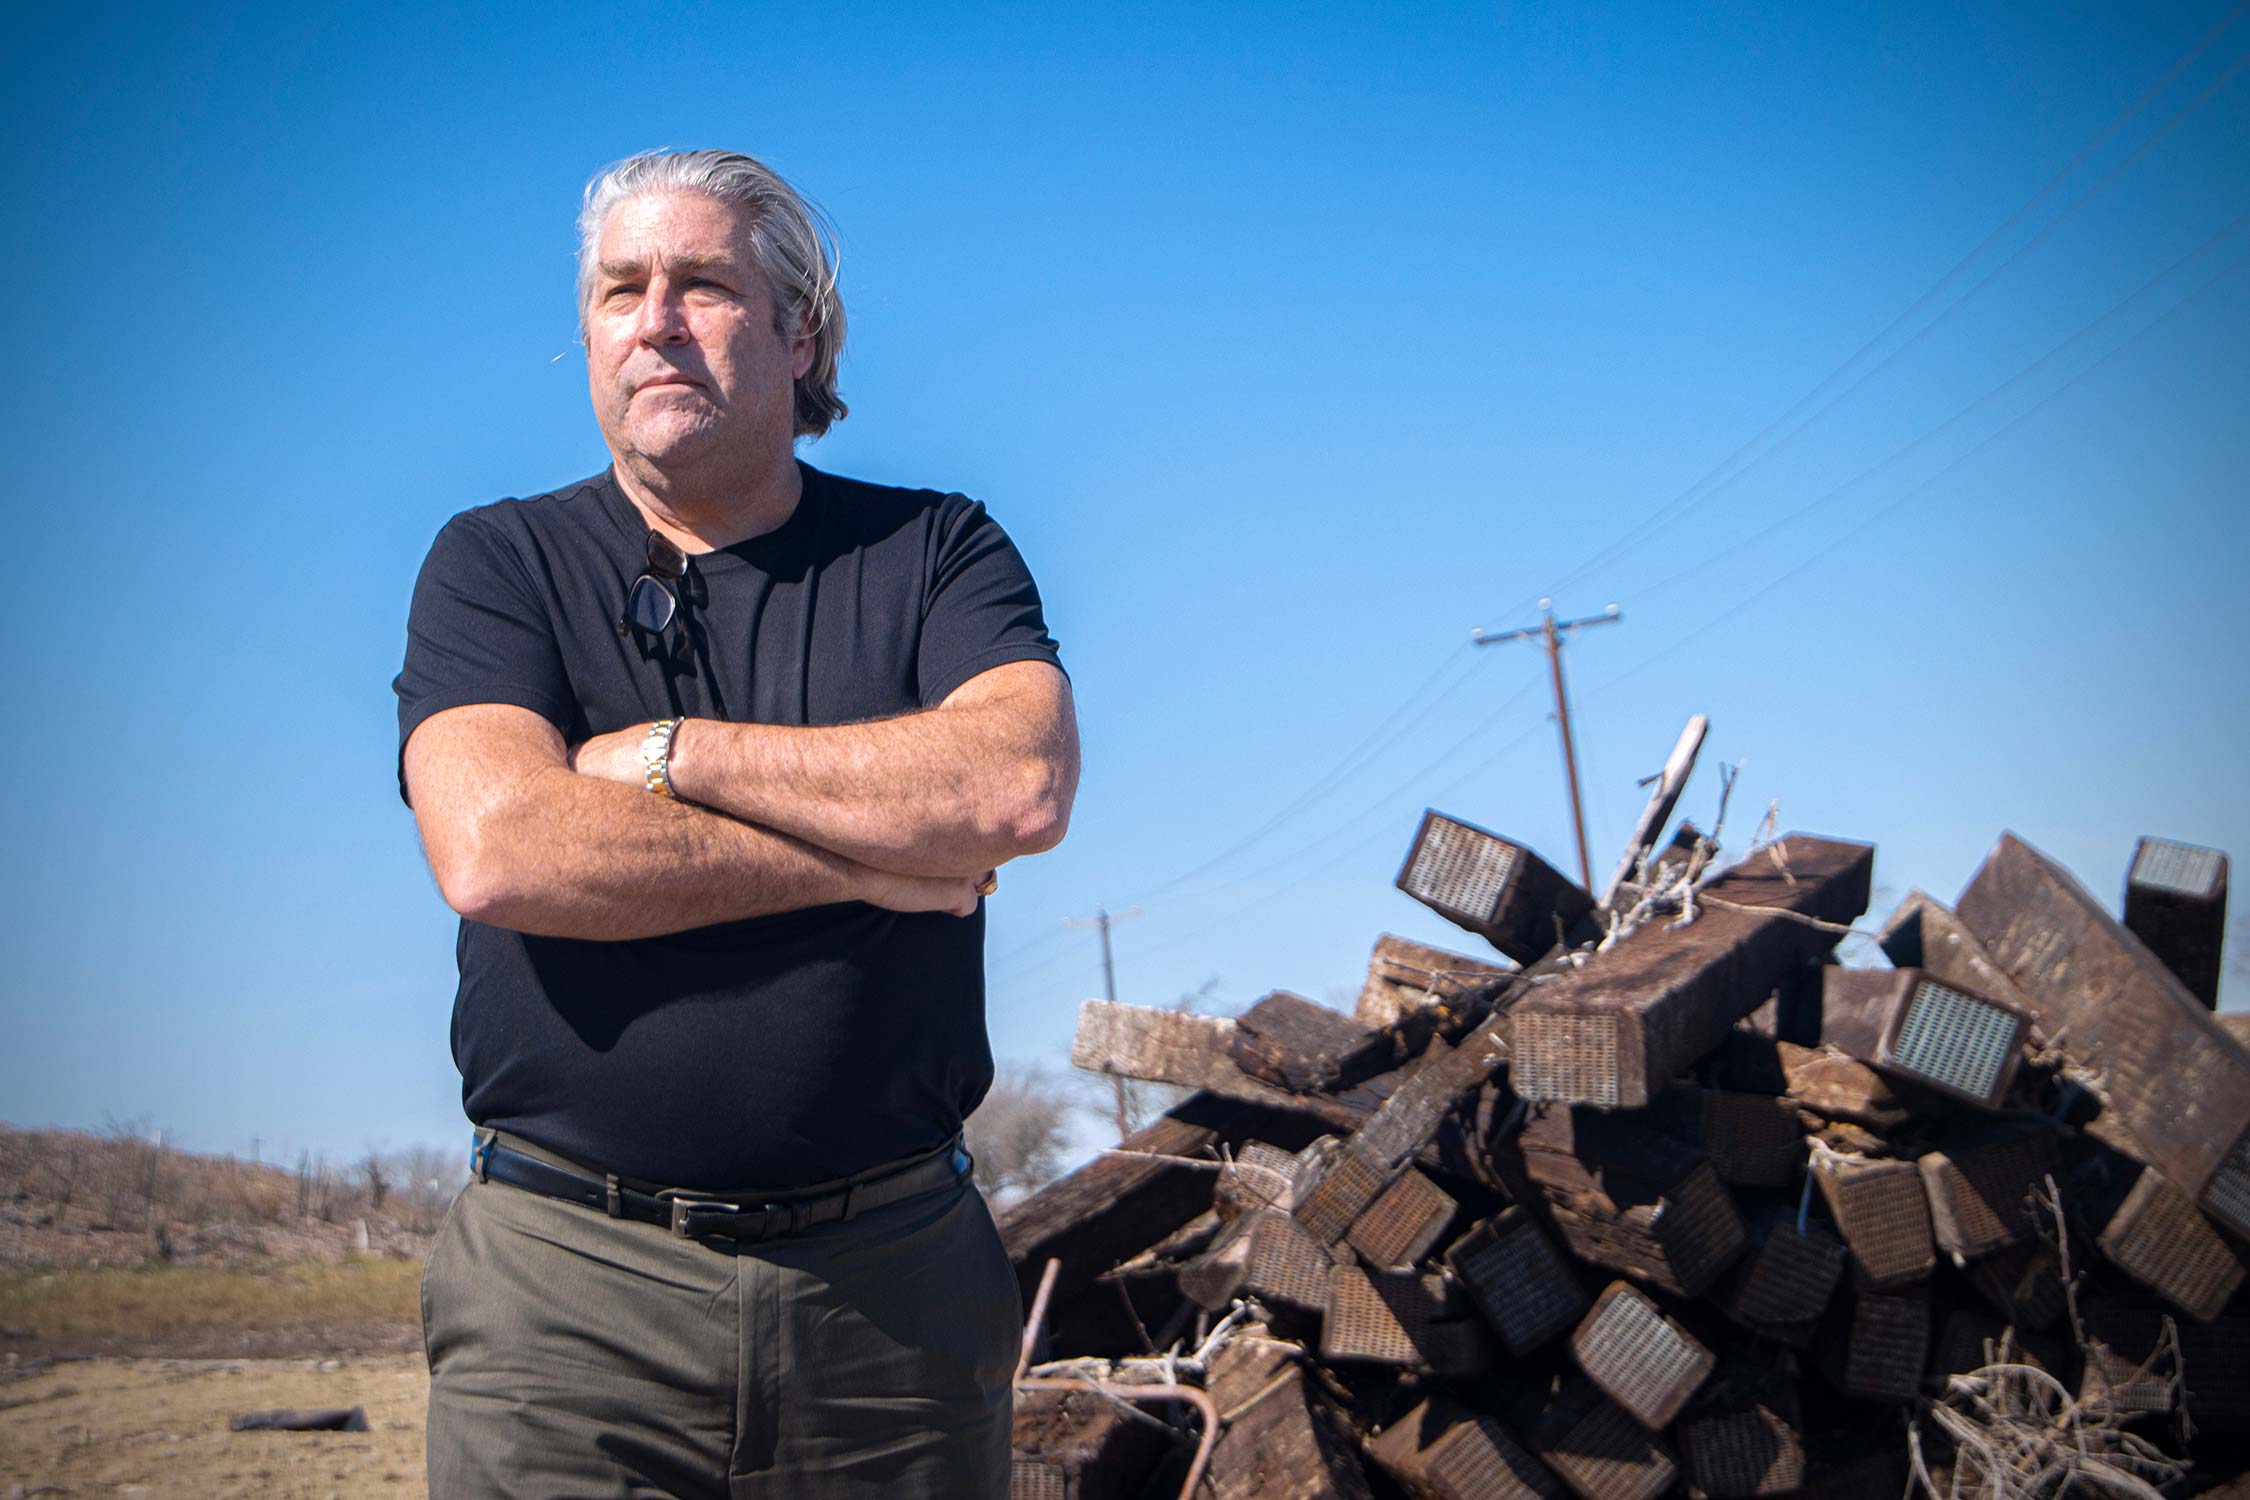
(663, 318)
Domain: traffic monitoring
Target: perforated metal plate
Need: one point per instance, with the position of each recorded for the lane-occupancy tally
(2157, 1238)
(1884, 1218)
(1346, 1189)
(1645, 1362)
(1890, 1342)
(1477, 1460)
(1462, 871)
(1955, 1041)
(1606, 1455)
(1564, 1056)
(1286, 1266)
(1381, 1322)
(2185, 869)
(1790, 1277)
(2227, 1199)
(1519, 1280)
(1036, 1479)
(1738, 1455)
(1399, 1227)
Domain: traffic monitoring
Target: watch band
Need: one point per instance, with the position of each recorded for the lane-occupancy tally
(656, 757)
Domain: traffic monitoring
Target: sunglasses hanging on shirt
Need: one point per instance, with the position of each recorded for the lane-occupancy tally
(653, 600)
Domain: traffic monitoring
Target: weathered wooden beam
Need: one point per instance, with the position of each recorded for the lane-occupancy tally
(1618, 1029)
(1746, 1445)
(1644, 1361)
(1442, 1450)
(1405, 977)
(2155, 1235)
(1497, 889)
(1924, 933)
(1979, 1188)
(1403, 1224)
(1122, 1202)
(1166, 1046)
(1442, 1080)
(1305, 1048)
(2176, 1082)
(1525, 1287)
(1262, 1255)
(1751, 1140)
(1881, 1345)
(1631, 1198)
(1255, 1176)
(1786, 1277)
(2176, 902)
(1836, 1087)
(1933, 1034)
(1401, 1318)
(1076, 1445)
(1284, 1440)
(1882, 1213)
(1599, 1450)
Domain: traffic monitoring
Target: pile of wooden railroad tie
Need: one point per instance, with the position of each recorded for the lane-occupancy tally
(1672, 1201)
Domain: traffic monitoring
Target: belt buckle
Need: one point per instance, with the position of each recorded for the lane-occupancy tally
(737, 1217)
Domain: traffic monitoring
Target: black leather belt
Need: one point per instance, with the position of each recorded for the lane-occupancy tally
(693, 1215)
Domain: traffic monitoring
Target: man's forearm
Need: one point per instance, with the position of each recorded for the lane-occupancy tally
(518, 840)
(571, 856)
(951, 791)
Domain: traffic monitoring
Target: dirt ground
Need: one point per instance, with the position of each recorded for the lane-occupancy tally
(158, 1427)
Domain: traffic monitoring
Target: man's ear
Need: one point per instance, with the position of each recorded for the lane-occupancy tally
(801, 349)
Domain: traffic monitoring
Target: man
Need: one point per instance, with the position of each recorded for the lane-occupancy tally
(715, 754)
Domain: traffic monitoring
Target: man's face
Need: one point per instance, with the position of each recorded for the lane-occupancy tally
(681, 355)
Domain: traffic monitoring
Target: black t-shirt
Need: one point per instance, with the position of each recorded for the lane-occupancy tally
(772, 1052)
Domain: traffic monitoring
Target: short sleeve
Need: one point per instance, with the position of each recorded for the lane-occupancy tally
(981, 610)
(476, 633)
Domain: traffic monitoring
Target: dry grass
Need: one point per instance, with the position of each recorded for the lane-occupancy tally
(106, 1307)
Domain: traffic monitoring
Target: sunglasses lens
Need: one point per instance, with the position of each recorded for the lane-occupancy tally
(650, 605)
(665, 559)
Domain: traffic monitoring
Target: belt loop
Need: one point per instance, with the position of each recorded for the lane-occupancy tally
(616, 1202)
(480, 1151)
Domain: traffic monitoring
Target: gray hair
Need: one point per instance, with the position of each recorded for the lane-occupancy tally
(794, 243)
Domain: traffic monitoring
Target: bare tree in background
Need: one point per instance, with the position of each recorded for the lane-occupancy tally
(375, 1173)
(1016, 1134)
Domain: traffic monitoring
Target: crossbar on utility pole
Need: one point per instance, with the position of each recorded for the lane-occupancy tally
(1103, 918)
(1551, 632)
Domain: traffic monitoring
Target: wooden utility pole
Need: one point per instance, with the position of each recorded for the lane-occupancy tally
(1102, 918)
(1552, 633)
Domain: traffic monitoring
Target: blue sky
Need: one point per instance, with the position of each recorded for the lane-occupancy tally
(1290, 342)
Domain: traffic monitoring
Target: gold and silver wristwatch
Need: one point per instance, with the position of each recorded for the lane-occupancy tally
(656, 757)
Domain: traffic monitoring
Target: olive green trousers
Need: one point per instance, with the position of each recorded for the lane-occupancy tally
(572, 1354)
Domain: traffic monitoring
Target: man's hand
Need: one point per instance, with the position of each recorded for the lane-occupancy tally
(615, 756)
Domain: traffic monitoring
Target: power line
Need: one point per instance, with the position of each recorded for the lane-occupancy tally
(1703, 567)
(1878, 515)
(1717, 478)
(1382, 803)
(1388, 731)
